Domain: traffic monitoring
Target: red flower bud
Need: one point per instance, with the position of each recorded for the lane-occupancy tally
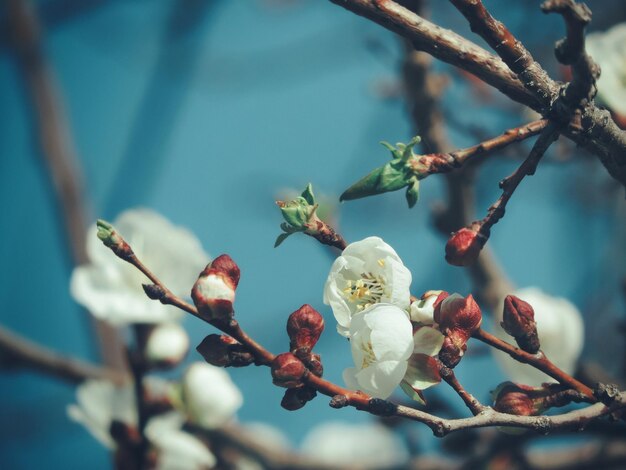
(288, 371)
(464, 246)
(304, 328)
(452, 350)
(515, 399)
(224, 351)
(214, 294)
(519, 321)
(296, 398)
(226, 264)
(458, 313)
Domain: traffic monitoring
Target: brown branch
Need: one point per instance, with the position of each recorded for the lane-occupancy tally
(19, 353)
(510, 183)
(58, 151)
(598, 133)
(445, 162)
(539, 361)
(470, 401)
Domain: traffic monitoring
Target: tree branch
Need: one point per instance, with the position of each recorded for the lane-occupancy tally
(17, 352)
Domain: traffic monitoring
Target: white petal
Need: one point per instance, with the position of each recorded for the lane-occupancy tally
(349, 377)
(381, 379)
(427, 341)
(392, 333)
(608, 49)
(422, 310)
(400, 284)
(422, 372)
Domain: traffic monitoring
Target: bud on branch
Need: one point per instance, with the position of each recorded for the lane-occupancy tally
(519, 322)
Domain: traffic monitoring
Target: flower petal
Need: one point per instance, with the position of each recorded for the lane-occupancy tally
(427, 341)
(380, 379)
(392, 333)
(422, 372)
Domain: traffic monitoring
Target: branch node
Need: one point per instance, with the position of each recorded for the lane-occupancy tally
(381, 407)
(339, 401)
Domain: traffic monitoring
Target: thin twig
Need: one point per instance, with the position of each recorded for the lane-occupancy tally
(58, 152)
(539, 361)
(19, 353)
(470, 401)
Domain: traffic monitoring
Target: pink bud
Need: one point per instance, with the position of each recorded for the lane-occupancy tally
(288, 371)
(214, 294)
(459, 313)
(464, 246)
(304, 328)
(519, 321)
(226, 264)
(452, 350)
(515, 399)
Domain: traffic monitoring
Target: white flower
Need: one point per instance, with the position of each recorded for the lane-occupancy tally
(209, 395)
(608, 49)
(423, 369)
(167, 343)
(381, 339)
(111, 288)
(369, 445)
(177, 449)
(422, 310)
(561, 335)
(368, 272)
(99, 404)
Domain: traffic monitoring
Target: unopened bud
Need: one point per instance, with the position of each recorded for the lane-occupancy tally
(314, 364)
(515, 399)
(287, 371)
(226, 264)
(113, 240)
(296, 398)
(167, 345)
(458, 313)
(224, 351)
(519, 321)
(214, 293)
(452, 350)
(464, 246)
(304, 328)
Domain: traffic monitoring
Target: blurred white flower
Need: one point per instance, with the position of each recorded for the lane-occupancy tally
(209, 395)
(369, 445)
(608, 49)
(111, 288)
(561, 335)
(177, 449)
(423, 369)
(168, 343)
(422, 310)
(368, 272)
(99, 403)
(381, 339)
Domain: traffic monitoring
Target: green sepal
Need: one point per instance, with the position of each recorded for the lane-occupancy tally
(412, 394)
(281, 238)
(308, 195)
(413, 192)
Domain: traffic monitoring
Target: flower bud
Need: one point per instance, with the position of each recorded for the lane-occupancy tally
(443, 295)
(519, 321)
(304, 328)
(313, 362)
(296, 398)
(224, 351)
(453, 349)
(225, 264)
(167, 345)
(113, 240)
(464, 246)
(515, 399)
(214, 294)
(458, 313)
(288, 371)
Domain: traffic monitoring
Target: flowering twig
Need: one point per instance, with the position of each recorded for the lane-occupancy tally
(599, 134)
(17, 352)
(539, 361)
(470, 401)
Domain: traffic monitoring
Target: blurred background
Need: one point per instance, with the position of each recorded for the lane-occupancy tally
(209, 111)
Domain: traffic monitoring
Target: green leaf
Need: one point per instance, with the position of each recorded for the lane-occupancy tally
(281, 238)
(308, 195)
(413, 192)
(414, 395)
(381, 180)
